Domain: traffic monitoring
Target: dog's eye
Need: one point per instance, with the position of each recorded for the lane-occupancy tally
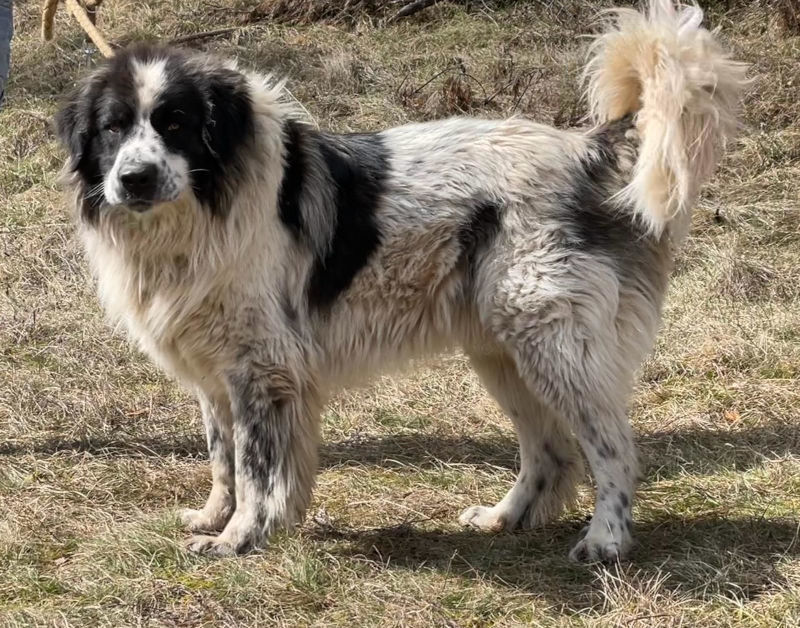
(113, 127)
(174, 126)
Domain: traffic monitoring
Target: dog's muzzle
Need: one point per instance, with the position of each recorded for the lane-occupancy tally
(140, 184)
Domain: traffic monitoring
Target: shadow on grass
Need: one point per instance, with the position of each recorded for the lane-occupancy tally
(184, 445)
(662, 454)
(703, 558)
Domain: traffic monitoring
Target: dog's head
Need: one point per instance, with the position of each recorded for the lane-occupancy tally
(154, 124)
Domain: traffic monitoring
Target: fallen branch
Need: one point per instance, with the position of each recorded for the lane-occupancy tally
(86, 20)
(205, 35)
(411, 8)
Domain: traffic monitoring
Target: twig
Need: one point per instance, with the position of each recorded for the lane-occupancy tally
(86, 17)
(206, 34)
(411, 8)
(530, 81)
(475, 80)
(449, 68)
(79, 13)
(645, 617)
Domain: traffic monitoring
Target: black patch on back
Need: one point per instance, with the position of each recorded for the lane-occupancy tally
(357, 165)
(294, 174)
(595, 223)
(477, 232)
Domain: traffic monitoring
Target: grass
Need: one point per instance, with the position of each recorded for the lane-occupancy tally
(98, 449)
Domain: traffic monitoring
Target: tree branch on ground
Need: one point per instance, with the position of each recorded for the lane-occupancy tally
(411, 8)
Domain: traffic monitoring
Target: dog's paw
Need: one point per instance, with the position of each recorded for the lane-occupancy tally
(483, 518)
(209, 546)
(201, 521)
(603, 548)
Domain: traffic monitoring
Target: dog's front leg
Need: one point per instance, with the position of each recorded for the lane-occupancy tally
(222, 499)
(275, 431)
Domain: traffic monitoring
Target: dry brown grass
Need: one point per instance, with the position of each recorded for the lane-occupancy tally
(312, 11)
(98, 449)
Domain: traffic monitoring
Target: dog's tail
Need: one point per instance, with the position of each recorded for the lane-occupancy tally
(683, 88)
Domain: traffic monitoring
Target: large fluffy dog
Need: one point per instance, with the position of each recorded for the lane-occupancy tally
(264, 263)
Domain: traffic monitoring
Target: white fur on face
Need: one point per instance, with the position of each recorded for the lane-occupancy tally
(144, 146)
(149, 79)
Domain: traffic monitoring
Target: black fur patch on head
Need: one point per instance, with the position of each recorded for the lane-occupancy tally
(228, 128)
(357, 166)
(477, 232)
(102, 102)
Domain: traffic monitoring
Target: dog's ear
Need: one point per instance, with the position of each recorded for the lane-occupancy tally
(230, 114)
(74, 128)
(73, 123)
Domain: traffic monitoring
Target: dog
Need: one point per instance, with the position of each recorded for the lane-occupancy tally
(265, 264)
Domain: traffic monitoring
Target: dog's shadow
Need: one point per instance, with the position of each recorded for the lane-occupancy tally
(701, 558)
(696, 451)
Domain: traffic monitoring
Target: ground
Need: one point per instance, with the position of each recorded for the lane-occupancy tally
(98, 450)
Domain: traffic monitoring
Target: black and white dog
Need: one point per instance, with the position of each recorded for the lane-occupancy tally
(264, 263)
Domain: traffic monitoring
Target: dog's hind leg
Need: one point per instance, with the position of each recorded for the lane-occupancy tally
(569, 333)
(222, 500)
(569, 372)
(550, 464)
(577, 372)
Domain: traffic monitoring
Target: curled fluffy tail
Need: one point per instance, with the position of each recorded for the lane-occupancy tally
(683, 88)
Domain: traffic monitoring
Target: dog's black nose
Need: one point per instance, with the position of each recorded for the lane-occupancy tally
(139, 181)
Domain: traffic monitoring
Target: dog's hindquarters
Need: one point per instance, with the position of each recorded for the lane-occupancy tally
(576, 321)
(578, 309)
